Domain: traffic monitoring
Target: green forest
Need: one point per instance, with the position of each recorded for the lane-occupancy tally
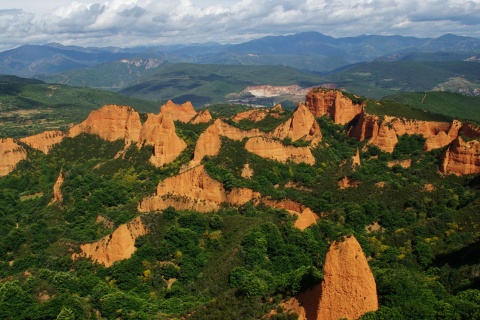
(237, 262)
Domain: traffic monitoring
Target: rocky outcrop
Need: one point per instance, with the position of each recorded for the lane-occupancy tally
(111, 123)
(385, 137)
(11, 154)
(57, 191)
(348, 286)
(276, 150)
(348, 289)
(383, 132)
(183, 113)
(461, 157)
(379, 132)
(202, 117)
(301, 126)
(159, 131)
(471, 130)
(258, 114)
(209, 142)
(118, 246)
(356, 159)
(305, 216)
(195, 190)
(437, 134)
(44, 141)
(341, 108)
(247, 172)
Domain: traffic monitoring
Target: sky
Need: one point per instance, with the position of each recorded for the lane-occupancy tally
(129, 23)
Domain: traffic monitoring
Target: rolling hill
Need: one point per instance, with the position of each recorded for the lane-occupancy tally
(380, 78)
(30, 106)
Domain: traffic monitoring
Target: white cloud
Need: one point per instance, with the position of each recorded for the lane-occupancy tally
(135, 22)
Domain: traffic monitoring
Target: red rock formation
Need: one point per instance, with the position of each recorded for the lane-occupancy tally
(44, 141)
(305, 216)
(348, 286)
(247, 172)
(159, 131)
(383, 133)
(57, 192)
(437, 134)
(385, 138)
(275, 150)
(183, 113)
(202, 117)
(471, 130)
(209, 142)
(11, 154)
(348, 289)
(333, 102)
(461, 157)
(118, 246)
(111, 123)
(301, 126)
(356, 159)
(194, 190)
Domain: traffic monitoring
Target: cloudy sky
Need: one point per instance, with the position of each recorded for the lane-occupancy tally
(128, 23)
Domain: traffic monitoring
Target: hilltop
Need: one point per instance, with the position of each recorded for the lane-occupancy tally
(197, 214)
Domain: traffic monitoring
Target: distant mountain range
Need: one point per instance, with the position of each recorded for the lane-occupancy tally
(310, 51)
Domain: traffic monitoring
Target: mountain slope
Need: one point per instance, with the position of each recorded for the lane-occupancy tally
(90, 253)
(31, 106)
(380, 78)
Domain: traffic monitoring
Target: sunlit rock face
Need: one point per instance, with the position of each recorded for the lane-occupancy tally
(333, 102)
(11, 153)
(118, 246)
(461, 157)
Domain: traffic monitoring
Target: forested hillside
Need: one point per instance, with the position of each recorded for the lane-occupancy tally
(94, 227)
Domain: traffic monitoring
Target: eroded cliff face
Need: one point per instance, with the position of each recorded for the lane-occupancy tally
(341, 108)
(275, 150)
(183, 113)
(202, 117)
(461, 157)
(111, 123)
(383, 132)
(57, 192)
(301, 126)
(348, 289)
(195, 190)
(159, 131)
(348, 286)
(44, 141)
(305, 216)
(209, 142)
(118, 246)
(11, 154)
